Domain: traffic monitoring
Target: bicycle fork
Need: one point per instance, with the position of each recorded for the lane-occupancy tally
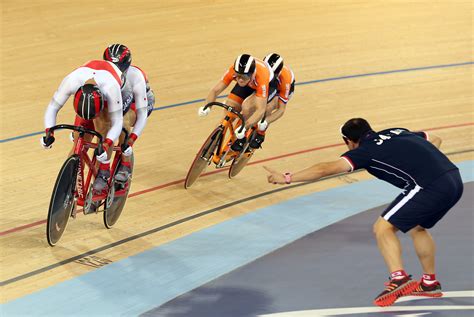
(223, 158)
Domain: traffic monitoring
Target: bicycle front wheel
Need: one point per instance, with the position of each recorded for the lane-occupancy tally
(203, 157)
(115, 202)
(62, 200)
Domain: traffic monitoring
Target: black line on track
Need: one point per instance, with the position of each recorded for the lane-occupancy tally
(175, 223)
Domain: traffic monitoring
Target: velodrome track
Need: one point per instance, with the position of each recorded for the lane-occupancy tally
(396, 64)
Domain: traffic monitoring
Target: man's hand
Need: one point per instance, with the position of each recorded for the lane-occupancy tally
(275, 177)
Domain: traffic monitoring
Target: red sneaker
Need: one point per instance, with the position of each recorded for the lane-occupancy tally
(394, 290)
(433, 290)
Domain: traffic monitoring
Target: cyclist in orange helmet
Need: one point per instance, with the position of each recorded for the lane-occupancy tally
(285, 79)
(255, 87)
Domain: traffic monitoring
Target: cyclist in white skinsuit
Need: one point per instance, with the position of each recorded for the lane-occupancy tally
(136, 95)
(103, 82)
(138, 102)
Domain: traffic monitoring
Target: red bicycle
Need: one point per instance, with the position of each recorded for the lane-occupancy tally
(73, 185)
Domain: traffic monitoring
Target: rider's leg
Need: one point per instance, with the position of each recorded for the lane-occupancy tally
(236, 98)
(257, 140)
(248, 107)
(129, 120)
(102, 124)
(125, 168)
(272, 102)
(88, 124)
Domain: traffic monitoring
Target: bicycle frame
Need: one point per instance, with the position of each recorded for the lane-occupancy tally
(228, 134)
(80, 149)
(226, 125)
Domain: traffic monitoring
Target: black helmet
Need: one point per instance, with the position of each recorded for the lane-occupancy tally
(275, 61)
(88, 101)
(120, 55)
(244, 65)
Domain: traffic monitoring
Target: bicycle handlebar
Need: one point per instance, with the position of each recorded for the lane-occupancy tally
(76, 128)
(228, 108)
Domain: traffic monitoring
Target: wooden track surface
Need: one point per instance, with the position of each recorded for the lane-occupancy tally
(185, 47)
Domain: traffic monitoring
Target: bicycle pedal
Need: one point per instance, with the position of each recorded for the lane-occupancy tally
(90, 207)
(215, 159)
(222, 164)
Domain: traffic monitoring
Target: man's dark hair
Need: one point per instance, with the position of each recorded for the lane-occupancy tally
(354, 129)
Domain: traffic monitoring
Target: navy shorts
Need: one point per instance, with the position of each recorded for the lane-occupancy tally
(425, 206)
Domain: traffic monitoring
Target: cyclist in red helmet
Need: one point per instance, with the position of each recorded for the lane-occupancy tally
(92, 84)
(255, 88)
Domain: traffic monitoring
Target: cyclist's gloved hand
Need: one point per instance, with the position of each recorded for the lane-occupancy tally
(47, 140)
(127, 150)
(202, 112)
(262, 125)
(127, 147)
(101, 151)
(240, 134)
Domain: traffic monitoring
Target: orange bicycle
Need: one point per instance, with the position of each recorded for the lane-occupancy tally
(216, 149)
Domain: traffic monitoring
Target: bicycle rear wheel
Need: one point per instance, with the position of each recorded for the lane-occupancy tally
(239, 163)
(114, 204)
(203, 157)
(241, 160)
(62, 200)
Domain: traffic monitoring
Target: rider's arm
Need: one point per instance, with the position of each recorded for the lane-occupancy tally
(142, 116)
(278, 113)
(141, 103)
(51, 114)
(66, 89)
(218, 88)
(221, 85)
(260, 104)
(114, 106)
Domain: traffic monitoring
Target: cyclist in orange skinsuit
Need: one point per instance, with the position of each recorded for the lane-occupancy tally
(256, 86)
(285, 87)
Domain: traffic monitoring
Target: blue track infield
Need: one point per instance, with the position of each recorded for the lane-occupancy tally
(143, 282)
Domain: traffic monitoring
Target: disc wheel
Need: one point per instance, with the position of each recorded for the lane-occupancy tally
(241, 160)
(62, 200)
(114, 204)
